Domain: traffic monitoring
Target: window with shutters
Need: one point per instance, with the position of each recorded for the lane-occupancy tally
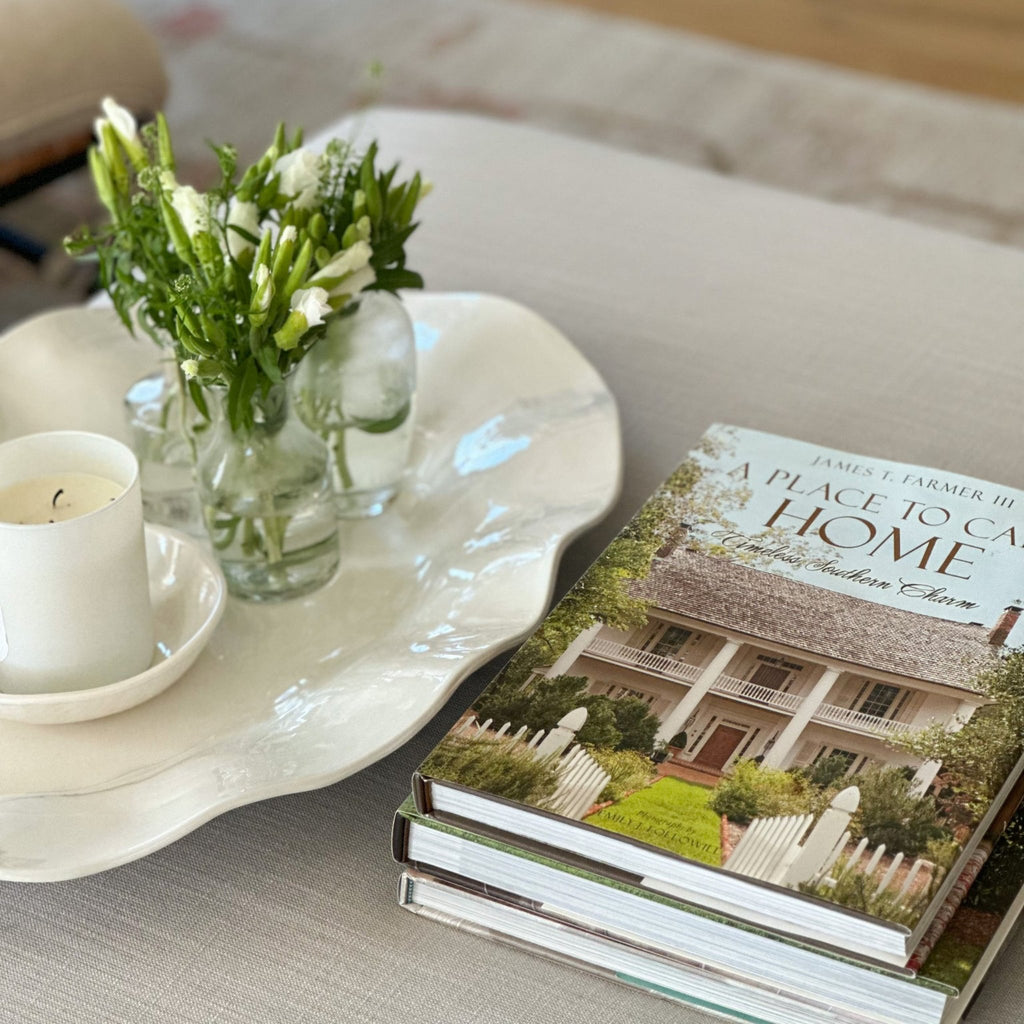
(670, 641)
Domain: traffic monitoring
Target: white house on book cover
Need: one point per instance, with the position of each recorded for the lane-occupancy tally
(737, 662)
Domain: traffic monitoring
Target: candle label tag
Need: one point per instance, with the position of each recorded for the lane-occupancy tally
(4, 648)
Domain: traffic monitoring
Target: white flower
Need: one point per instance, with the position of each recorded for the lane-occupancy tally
(245, 215)
(190, 367)
(191, 206)
(355, 257)
(355, 283)
(168, 182)
(120, 120)
(352, 265)
(300, 173)
(312, 304)
(262, 289)
(288, 235)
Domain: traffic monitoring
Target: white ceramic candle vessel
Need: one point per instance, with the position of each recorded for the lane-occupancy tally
(74, 587)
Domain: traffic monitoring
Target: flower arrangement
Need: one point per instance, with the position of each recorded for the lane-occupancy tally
(241, 282)
(242, 279)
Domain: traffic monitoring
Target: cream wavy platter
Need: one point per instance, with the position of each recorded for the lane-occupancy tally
(517, 450)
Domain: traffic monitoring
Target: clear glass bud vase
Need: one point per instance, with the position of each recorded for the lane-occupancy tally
(162, 425)
(356, 389)
(267, 501)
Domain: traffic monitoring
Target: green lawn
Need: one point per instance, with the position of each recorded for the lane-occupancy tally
(671, 814)
(952, 961)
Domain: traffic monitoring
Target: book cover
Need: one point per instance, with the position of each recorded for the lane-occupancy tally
(795, 667)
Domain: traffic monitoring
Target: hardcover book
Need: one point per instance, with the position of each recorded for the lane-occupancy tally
(596, 921)
(787, 693)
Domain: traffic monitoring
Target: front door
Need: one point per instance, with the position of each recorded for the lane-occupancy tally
(721, 745)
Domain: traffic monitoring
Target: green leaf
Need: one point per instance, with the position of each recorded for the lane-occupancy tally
(247, 235)
(392, 280)
(384, 426)
(198, 398)
(227, 158)
(390, 248)
(267, 358)
(368, 183)
(250, 381)
(403, 215)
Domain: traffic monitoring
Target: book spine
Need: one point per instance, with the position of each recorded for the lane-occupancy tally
(400, 838)
(950, 906)
(421, 793)
(968, 877)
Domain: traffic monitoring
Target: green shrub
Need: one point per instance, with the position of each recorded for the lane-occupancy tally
(629, 771)
(635, 722)
(624, 724)
(943, 853)
(892, 814)
(501, 767)
(858, 891)
(823, 774)
(755, 792)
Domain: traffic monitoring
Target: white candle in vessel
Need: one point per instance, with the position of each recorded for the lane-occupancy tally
(56, 498)
(74, 593)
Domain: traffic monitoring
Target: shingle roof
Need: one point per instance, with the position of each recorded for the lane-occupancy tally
(838, 626)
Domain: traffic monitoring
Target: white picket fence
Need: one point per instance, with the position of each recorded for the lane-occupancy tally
(580, 777)
(788, 851)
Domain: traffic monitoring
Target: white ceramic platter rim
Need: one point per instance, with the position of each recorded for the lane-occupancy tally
(517, 450)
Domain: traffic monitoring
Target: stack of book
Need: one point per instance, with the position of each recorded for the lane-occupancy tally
(765, 757)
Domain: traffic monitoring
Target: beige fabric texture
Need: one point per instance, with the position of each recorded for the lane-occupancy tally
(107, 49)
(699, 299)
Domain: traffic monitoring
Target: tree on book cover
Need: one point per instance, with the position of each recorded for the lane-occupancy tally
(792, 663)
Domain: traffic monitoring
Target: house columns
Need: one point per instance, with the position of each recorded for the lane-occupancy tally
(678, 716)
(780, 754)
(925, 775)
(568, 657)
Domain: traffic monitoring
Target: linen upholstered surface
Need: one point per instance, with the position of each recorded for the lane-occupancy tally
(699, 299)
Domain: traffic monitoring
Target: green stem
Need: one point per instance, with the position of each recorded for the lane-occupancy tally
(340, 459)
(183, 402)
(274, 528)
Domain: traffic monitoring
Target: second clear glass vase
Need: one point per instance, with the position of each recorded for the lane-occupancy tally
(356, 389)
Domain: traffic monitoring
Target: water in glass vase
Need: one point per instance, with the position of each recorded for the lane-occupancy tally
(268, 505)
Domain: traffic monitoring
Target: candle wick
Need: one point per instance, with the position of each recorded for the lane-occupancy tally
(53, 504)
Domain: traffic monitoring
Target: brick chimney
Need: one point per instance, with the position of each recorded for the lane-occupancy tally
(1001, 630)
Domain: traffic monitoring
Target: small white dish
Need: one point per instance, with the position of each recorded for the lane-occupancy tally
(188, 593)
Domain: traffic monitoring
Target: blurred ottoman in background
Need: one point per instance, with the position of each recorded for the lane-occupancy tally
(58, 59)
